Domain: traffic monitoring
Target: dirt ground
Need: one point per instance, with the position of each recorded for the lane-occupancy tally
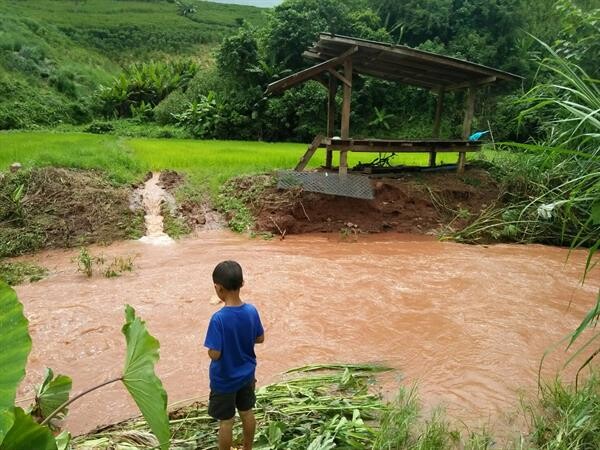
(418, 202)
(52, 207)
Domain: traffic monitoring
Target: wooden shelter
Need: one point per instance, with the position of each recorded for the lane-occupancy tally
(438, 73)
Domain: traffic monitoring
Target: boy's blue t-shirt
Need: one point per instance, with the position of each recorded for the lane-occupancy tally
(233, 331)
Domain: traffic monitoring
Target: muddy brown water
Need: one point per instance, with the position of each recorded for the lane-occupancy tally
(467, 323)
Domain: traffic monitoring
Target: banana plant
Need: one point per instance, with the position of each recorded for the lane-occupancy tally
(19, 429)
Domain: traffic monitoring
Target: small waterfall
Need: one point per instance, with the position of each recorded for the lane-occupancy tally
(152, 198)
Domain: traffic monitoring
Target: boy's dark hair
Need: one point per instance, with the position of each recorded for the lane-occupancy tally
(229, 275)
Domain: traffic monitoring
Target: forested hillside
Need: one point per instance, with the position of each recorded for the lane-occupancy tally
(55, 53)
(203, 67)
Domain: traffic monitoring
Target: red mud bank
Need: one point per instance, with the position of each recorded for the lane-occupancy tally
(468, 324)
(412, 203)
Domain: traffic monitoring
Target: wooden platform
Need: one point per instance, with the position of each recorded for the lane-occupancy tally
(431, 146)
(400, 145)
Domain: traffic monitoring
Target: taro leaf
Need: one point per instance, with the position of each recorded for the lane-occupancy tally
(15, 345)
(139, 377)
(63, 440)
(27, 434)
(51, 395)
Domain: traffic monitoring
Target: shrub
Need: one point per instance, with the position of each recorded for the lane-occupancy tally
(99, 127)
(175, 104)
(143, 84)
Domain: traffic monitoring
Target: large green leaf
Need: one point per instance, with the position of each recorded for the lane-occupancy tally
(63, 440)
(15, 345)
(52, 393)
(139, 377)
(27, 434)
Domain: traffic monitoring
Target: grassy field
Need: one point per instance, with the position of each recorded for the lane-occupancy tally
(208, 163)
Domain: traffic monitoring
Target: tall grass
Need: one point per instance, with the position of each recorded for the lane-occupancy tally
(552, 187)
(563, 418)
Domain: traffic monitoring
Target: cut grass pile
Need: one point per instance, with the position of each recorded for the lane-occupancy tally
(327, 406)
(14, 273)
(321, 411)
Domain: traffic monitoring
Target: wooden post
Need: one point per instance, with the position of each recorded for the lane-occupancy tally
(343, 163)
(345, 128)
(469, 111)
(345, 131)
(437, 123)
(330, 117)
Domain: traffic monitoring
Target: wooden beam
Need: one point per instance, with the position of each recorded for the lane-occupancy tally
(309, 153)
(307, 74)
(466, 84)
(331, 118)
(437, 122)
(345, 128)
(380, 148)
(340, 77)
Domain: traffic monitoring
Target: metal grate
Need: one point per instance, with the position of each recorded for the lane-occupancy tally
(356, 186)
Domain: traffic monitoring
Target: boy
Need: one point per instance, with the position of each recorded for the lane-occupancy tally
(230, 338)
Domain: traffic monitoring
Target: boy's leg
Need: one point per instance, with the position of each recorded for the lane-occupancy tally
(249, 426)
(222, 408)
(225, 434)
(244, 401)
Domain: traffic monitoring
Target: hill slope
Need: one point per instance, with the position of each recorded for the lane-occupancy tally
(53, 53)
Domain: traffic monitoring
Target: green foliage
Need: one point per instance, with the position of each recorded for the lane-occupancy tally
(16, 345)
(14, 273)
(552, 190)
(206, 117)
(51, 394)
(118, 266)
(86, 262)
(236, 197)
(566, 419)
(237, 54)
(172, 106)
(26, 434)
(139, 377)
(578, 37)
(126, 28)
(19, 431)
(54, 54)
(174, 224)
(141, 87)
(99, 127)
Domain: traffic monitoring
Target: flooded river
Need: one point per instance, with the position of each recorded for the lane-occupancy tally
(467, 323)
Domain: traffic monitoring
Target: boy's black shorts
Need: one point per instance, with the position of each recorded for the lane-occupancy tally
(223, 406)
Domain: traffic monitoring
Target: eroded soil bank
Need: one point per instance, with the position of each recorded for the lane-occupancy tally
(412, 202)
(467, 323)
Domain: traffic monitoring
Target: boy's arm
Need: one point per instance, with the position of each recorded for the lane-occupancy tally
(214, 354)
(214, 339)
(260, 339)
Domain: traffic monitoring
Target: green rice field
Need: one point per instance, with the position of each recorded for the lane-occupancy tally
(125, 160)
